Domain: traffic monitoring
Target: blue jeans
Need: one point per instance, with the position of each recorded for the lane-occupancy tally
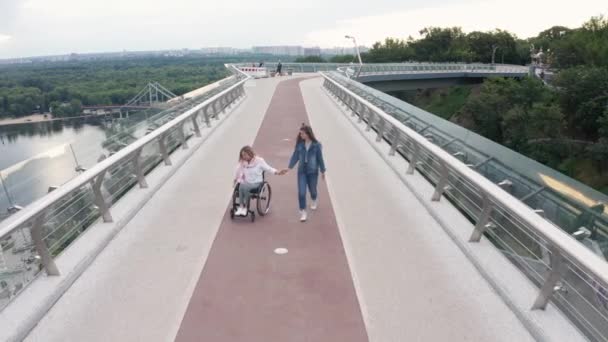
(309, 180)
(245, 192)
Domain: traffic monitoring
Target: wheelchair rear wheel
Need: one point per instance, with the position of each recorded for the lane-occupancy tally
(263, 201)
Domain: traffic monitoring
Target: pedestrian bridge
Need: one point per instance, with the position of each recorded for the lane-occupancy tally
(409, 243)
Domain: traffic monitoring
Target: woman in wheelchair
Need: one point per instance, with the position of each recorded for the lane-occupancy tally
(249, 176)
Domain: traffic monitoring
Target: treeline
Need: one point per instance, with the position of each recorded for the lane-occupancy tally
(564, 126)
(563, 47)
(67, 86)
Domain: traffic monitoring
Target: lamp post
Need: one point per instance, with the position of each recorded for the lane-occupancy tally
(356, 47)
(358, 53)
(494, 48)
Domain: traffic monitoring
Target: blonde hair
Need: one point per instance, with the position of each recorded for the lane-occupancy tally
(247, 150)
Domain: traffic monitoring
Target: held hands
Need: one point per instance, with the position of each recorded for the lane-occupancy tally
(285, 171)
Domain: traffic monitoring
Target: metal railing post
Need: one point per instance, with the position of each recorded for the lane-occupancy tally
(360, 110)
(182, 136)
(225, 103)
(100, 201)
(370, 118)
(442, 183)
(46, 259)
(197, 129)
(206, 115)
(220, 108)
(394, 142)
(230, 99)
(162, 143)
(380, 135)
(139, 170)
(484, 219)
(558, 267)
(414, 159)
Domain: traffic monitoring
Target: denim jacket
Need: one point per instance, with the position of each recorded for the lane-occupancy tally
(313, 163)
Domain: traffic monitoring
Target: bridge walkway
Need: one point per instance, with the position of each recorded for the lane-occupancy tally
(370, 264)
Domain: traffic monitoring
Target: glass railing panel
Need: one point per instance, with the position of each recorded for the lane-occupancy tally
(69, 218)
(19, 264)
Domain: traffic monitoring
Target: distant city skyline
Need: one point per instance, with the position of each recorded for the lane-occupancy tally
(278, 50)
(42, 27)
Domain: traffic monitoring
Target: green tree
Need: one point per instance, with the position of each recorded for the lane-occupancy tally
(76, 107)
(513, 112)
(442, 45)
(343, 59)
(391, 50)
(582, 46)
(5, 104)
(599, 150)
(26, 87)
(583, 98)
(481, 45)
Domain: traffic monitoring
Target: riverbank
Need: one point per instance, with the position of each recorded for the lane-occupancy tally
(27, 119)
(36, 118)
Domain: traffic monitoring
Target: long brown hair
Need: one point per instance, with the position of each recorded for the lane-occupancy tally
(308, 130)
(248, 150)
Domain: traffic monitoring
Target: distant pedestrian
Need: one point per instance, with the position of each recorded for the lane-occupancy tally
(279, 68)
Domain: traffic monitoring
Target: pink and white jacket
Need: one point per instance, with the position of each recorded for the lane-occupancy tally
(252, 172)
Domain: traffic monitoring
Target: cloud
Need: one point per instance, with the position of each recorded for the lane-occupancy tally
(42, 27)
(523, 17)
(9, 10)
(4, 38)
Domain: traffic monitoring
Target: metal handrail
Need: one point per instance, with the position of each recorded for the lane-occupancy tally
(371, 69)
(559, 243)
(36, 209)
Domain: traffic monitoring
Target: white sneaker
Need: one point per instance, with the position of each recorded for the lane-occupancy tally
(303, 215)
(313, 205)
(242, 211)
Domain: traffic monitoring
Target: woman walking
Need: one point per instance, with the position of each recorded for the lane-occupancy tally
(308, 155)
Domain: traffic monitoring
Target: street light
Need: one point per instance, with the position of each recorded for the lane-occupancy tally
(358, 53)
(494, 48)
(356, 47)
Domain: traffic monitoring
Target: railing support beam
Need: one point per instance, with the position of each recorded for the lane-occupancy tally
(46, 259)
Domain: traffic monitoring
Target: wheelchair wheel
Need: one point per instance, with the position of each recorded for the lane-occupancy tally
(252, 216)
(263, 201)
(235, 195)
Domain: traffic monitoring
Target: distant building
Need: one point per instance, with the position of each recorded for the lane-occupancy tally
(218, 51)
(281, 50)
(343, 50)
(313, 51)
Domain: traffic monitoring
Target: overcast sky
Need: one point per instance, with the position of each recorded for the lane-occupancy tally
(44, 27)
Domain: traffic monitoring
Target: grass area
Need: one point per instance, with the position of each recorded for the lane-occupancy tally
(447, 102)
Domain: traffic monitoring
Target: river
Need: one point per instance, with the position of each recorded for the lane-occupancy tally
(35, 156)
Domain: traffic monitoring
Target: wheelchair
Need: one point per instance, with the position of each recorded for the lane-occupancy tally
(261, 195)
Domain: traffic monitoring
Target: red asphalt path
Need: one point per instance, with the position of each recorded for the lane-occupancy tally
(246, 292)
